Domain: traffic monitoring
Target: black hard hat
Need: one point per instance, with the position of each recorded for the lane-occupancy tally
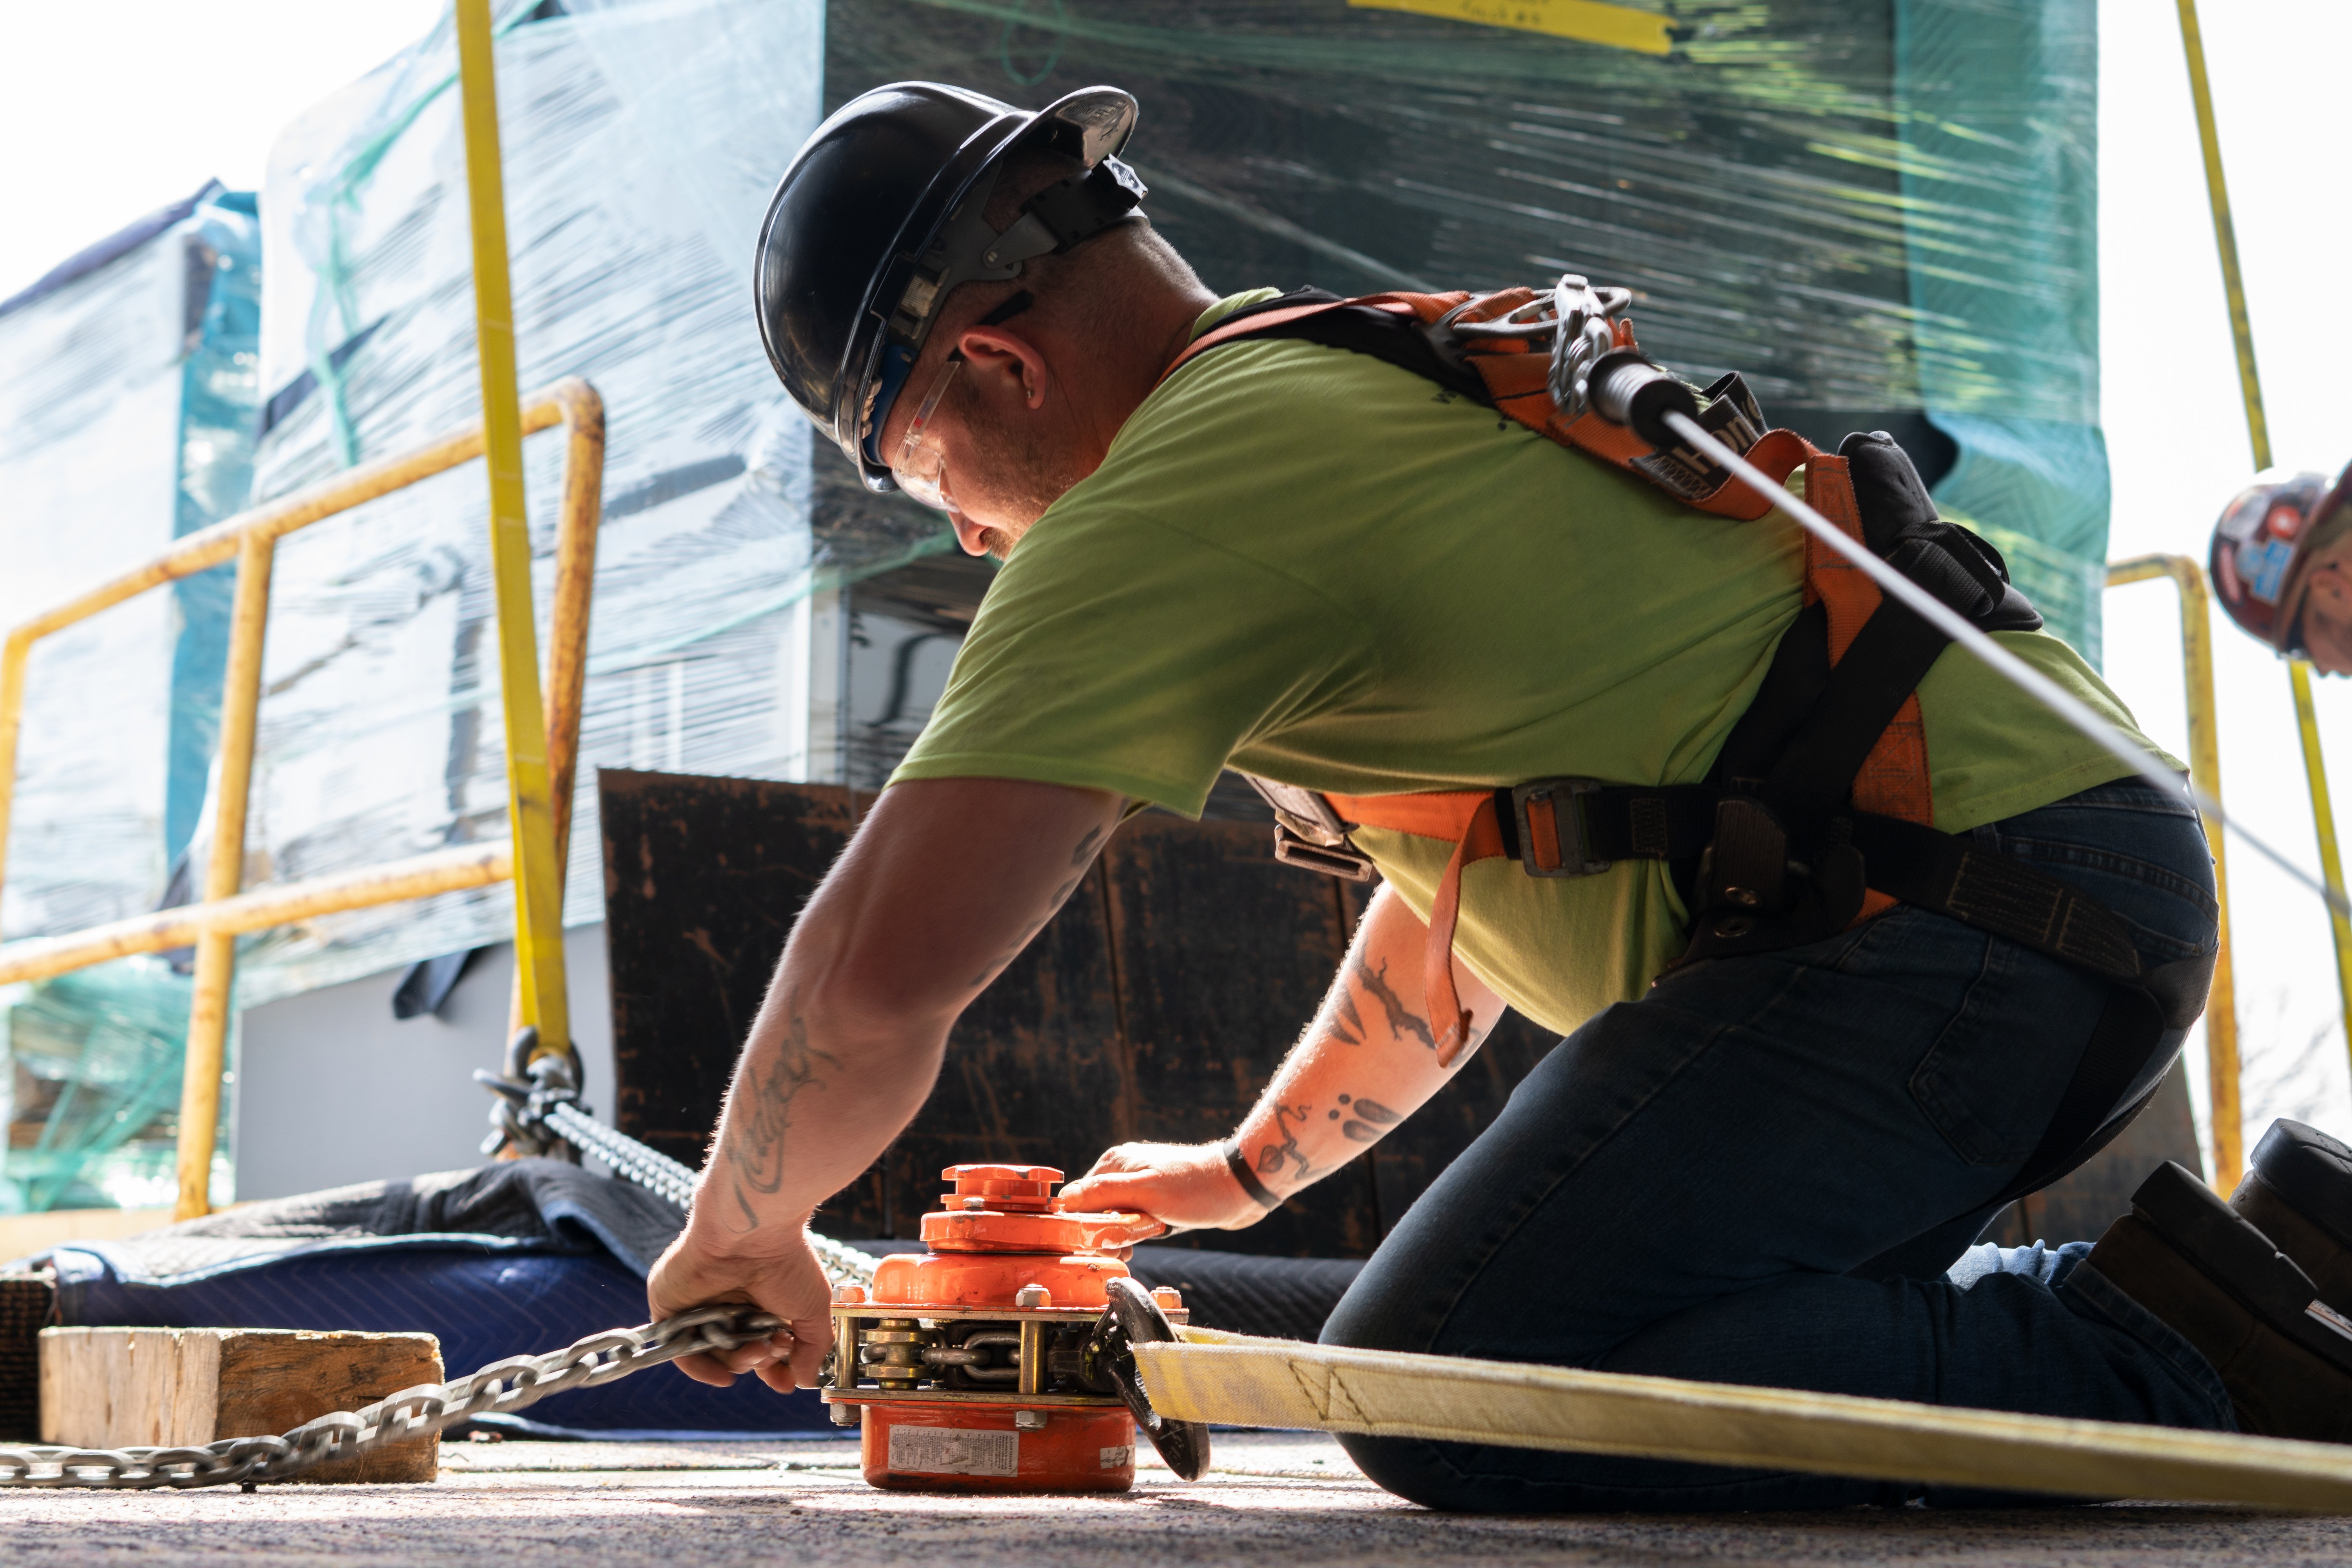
(883, 213)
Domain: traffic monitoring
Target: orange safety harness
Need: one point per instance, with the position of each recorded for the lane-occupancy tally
(1819, 812)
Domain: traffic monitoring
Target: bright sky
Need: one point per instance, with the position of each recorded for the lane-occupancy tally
(110, 112)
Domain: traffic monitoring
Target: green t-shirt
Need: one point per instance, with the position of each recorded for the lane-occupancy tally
(1316, 567)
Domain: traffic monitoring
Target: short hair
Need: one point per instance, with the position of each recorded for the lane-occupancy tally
(1086, 289)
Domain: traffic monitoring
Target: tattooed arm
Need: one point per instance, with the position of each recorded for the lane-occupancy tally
(1368, 1061)
(942, 887)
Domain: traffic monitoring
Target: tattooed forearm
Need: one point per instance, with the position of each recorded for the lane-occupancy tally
(1403, 1021)
(1375, 1119)
(1347, 1026)
(1273, 1158)
(761, 1111)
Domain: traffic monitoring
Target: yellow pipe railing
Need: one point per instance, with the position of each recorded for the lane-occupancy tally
(2258, 433)
(214, 924)
(2205, 772)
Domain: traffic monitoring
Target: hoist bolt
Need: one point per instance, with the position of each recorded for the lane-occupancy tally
(1165, 1299)
(1032, 1297)
(1029, 1421)
(849, 1295)
(844, 1415)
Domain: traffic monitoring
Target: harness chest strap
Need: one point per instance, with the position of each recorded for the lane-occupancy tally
(1836, 750)
(1893, 781)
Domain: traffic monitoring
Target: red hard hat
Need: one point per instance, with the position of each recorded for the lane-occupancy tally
(2263, 549)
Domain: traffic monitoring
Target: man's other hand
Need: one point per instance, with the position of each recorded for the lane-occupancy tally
(789, 1283)
(1185, 1187)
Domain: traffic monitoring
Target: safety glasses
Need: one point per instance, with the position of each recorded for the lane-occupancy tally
(919, 466)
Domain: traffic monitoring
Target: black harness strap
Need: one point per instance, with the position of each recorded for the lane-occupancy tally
(1781, 785)
(1815, 770)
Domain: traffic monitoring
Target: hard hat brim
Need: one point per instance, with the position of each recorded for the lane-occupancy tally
(899, 303)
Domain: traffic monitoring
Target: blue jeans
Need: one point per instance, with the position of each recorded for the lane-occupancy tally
(1770, 1169)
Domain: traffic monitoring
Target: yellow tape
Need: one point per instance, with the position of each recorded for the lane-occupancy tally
(538, 875)
(1588, 21)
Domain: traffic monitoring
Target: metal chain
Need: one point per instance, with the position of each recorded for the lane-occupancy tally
(500, 1388)
(657, 1172)
(539, 1104)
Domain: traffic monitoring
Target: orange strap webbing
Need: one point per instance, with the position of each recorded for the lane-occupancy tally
(1892, 783)
(1894, 780)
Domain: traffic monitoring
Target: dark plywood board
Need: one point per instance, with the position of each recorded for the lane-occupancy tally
(1154, 1006)
(703, 878)
(1224, 955)
(1036, 1071)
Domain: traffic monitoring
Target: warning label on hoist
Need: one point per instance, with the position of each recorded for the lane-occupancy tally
(942, 1451)
(1115, 1458)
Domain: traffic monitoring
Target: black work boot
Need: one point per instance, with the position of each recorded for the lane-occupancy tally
(2298, 1192)
(2284, 1354)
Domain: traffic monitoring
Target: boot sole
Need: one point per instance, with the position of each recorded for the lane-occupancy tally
(2311, 1173)
(2244, 1262)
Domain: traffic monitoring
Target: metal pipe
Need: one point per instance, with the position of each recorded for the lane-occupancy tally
(213, 925)
(208, 1012)
(539, 889)
(567, 655)
(575, 582)
(2323, 822)
(14, 655)
(570, 400)
(2205, 772)
(391, 882)
(2258, 435)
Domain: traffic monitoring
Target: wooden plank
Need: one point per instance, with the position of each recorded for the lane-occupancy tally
(143, 1387)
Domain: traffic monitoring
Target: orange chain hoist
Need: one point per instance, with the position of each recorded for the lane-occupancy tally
(999, 1360)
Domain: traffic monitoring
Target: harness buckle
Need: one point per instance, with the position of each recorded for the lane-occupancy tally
(1308, 834)
(1342, 859)
(1555, 839)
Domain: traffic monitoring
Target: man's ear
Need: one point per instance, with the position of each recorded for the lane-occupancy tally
(1004, 361)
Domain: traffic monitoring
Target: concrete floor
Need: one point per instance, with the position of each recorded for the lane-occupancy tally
(1273, 1500)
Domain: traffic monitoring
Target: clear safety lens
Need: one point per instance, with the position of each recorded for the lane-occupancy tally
(919, 466)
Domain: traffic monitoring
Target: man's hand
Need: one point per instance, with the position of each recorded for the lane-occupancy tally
(1185, 1187)
(789, 1283)
(1368, 1061)
(941, 887)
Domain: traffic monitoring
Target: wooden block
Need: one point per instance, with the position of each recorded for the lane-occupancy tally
(109, 1388)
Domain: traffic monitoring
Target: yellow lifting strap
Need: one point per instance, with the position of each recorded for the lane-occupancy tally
(538, 873)
(1237, 1379)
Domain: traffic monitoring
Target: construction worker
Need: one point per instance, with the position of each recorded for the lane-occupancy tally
(2282, 565)
(1573, 697)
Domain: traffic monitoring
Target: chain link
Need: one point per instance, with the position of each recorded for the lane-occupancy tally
(500, 1388)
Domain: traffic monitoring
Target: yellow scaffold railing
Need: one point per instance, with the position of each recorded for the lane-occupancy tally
(2205, 772)
(541, 736)
(226, 911)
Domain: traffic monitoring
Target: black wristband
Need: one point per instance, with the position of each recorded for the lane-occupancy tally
(1257, 1190)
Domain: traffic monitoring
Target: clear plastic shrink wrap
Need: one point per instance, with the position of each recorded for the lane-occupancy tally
(641, 141)
(1882, 215)
(128, 389)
